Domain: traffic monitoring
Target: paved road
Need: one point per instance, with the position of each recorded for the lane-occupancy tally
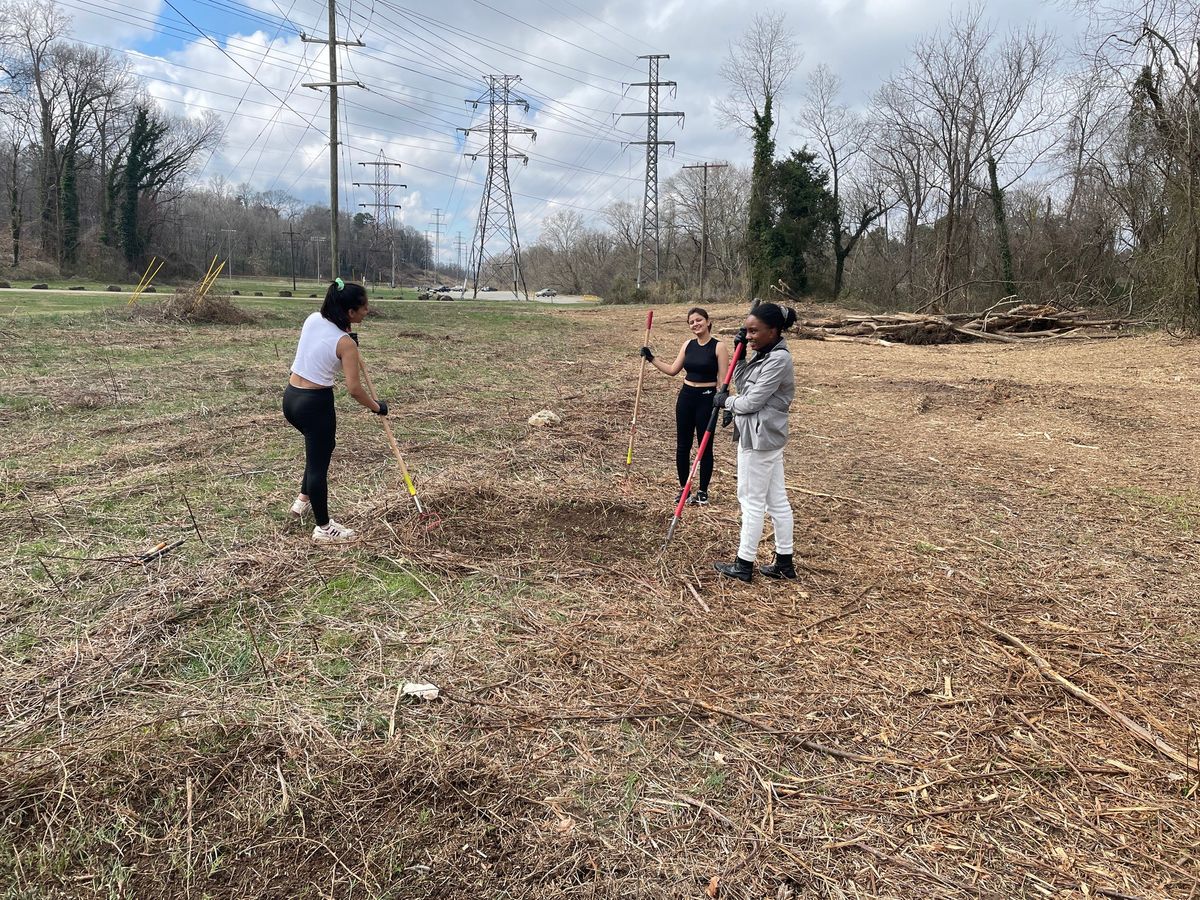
(490, 296)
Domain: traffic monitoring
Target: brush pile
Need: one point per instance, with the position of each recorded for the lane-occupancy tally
(1018, 324)
(191, 306)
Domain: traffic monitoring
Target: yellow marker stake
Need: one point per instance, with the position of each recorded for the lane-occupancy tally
(143, 282)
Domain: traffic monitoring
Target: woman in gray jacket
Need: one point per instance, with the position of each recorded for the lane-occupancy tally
(766, 384)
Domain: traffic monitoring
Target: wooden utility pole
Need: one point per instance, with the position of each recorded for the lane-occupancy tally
(333, 84)
(317, 254)
(229, 243)
(704, 218)
(291, 233)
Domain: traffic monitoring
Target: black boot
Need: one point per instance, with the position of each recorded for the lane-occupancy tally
(739, 569)
(781, 568)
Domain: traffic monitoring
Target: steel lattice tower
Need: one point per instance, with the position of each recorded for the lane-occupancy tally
(383, 216)
(496, 248)
(648, 257)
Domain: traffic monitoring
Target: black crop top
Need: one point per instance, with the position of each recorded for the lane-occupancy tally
(700, 363)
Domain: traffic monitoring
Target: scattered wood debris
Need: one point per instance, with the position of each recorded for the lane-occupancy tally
(1016, 325)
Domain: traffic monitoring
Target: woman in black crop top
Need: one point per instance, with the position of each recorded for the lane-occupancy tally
(704, 360)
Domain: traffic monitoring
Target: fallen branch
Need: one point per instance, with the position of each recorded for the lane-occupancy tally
(1139, 731)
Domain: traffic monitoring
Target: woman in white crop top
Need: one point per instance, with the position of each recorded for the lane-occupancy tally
(326, 346)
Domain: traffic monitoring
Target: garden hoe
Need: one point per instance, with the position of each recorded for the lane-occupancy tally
(429, 520)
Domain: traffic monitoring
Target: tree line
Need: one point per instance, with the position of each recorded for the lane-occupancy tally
(993, 163)
(97, 178)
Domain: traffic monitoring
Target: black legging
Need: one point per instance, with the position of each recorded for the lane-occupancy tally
(310, 411)
(692, 412)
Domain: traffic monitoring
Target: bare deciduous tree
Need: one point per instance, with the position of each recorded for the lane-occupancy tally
(971, 100)
(35, 26)
(758, 68)
(1148, 51)
(840, 135)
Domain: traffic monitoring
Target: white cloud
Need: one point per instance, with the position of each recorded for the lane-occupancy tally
(99, 25)
(423, 60)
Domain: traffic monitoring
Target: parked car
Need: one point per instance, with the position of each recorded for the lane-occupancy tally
(487, 287)
(547, 292)
(442, 289)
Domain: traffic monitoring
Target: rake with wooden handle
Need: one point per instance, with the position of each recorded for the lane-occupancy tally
(430, 520)
(637, 397)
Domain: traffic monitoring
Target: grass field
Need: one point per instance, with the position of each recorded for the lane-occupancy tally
(228, 720)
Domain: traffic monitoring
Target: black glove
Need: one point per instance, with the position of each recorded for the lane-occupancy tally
(720, 398)
(739, 338)
(646, 354)
(382, 411)
(727, 418)
(354, 337)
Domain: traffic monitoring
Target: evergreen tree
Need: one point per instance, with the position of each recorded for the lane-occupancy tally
(139, 157)
(804, 212)
(759, 222)
(69, 209)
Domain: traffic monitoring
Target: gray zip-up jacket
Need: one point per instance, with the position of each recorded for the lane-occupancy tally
(766, 386)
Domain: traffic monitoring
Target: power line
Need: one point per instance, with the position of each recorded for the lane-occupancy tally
(552, 35)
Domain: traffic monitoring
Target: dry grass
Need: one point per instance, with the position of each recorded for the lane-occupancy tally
(614, 723)
(189, 306)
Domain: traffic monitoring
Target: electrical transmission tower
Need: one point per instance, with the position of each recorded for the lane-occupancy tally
(382, 207)
(438, 216)
(648, 259)
(496, 249)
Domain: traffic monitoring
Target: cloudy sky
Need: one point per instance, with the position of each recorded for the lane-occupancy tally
(424, 59)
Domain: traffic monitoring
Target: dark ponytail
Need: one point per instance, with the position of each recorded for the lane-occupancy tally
(340, 299)
(781, 318)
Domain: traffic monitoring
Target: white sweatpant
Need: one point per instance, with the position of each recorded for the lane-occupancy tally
(761, 492)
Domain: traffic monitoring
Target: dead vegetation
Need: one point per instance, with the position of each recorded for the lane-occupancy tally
(191, 306)
(984, 683)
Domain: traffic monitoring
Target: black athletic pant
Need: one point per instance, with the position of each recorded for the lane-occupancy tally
(310, 411)
(692, 412)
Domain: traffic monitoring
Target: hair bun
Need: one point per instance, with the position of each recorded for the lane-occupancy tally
(789, 317)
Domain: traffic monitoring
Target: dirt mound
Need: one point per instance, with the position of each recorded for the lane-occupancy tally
(187, 306)
(487, 522)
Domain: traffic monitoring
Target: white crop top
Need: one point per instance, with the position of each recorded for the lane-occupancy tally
(316, 354)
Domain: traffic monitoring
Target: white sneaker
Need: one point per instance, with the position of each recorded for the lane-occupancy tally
(301, 507)
(333, 532)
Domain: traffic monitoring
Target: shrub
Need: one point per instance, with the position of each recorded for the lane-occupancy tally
(623, 291)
